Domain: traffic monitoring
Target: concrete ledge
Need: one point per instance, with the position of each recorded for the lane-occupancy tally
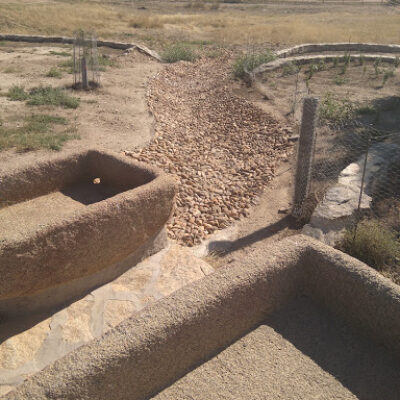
(300, 55)
(57, 297)
(144, 354)
(362, 296)
(46, 246)
(300, 60)
(68, 40)
(345, 47)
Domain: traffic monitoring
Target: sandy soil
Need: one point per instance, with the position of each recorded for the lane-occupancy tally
(301, 352)
(113, 117)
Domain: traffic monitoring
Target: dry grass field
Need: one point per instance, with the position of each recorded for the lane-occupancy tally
(158, 23)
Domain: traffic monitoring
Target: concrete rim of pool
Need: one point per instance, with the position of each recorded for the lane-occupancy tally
(70, 224)
(150, 351)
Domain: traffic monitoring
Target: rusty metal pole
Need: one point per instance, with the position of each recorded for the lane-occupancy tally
(85, 83)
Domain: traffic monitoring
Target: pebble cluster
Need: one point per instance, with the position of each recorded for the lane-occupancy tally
(223, 149)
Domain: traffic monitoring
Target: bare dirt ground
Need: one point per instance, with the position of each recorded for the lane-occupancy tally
(301, 352)
(112, 117)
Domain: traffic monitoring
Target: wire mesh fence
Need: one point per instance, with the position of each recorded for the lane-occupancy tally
(353, 183)
(85, 60)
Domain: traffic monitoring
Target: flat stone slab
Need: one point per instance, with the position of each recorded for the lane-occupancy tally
(102, 309)
(340, 203)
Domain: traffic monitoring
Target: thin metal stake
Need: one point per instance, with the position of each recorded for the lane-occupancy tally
(362, 187)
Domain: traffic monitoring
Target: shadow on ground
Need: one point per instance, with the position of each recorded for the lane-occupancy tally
(366, 369)
(227, 246)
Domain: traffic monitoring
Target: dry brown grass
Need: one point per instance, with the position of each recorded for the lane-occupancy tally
(226, 26)
(146, 22)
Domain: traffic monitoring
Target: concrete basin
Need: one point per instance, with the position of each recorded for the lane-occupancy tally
(68, 224)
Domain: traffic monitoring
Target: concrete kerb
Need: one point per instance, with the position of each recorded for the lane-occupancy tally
(301, 60)
(300, 54)
(67, 40)
(146, 353)
(345, 47)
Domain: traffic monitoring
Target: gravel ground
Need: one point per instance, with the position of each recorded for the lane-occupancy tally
(222, 148)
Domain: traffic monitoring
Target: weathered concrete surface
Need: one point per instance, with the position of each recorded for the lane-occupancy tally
(76, 238)
(300, 352)
(343, 47)
(63, 331)
(306, 59)
(147, 353)
(68, 40)
(337, 210)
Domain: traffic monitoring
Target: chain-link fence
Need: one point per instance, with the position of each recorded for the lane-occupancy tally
(348, 177)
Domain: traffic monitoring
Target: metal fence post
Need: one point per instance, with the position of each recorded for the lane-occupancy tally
(305, 154)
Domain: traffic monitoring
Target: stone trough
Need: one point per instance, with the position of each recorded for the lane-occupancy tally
(69, 224)
(230, 335)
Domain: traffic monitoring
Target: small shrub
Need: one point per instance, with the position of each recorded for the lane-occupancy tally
(17, 93)
(340, 80)
(178, 52)
(347, 59)
(47, 95)
(289, 69)
(396, 62)
(366, 110)
(335, 62)
(36, 132)
(361, 60)
(10, 70)
(248, 62)
(321, 65)
(344, 69)
(387, 74)
(54, 73)
(67, 63)
(60, 53)
(377, 64)
(372, 243)
(364, 69)
(103, 62)
(212, 53)
(336, 110)
(310, 73)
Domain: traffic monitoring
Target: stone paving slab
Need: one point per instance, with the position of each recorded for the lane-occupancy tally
(157, 276)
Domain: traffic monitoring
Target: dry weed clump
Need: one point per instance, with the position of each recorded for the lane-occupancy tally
(178, 52)
(373, 243)
(146, 22)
